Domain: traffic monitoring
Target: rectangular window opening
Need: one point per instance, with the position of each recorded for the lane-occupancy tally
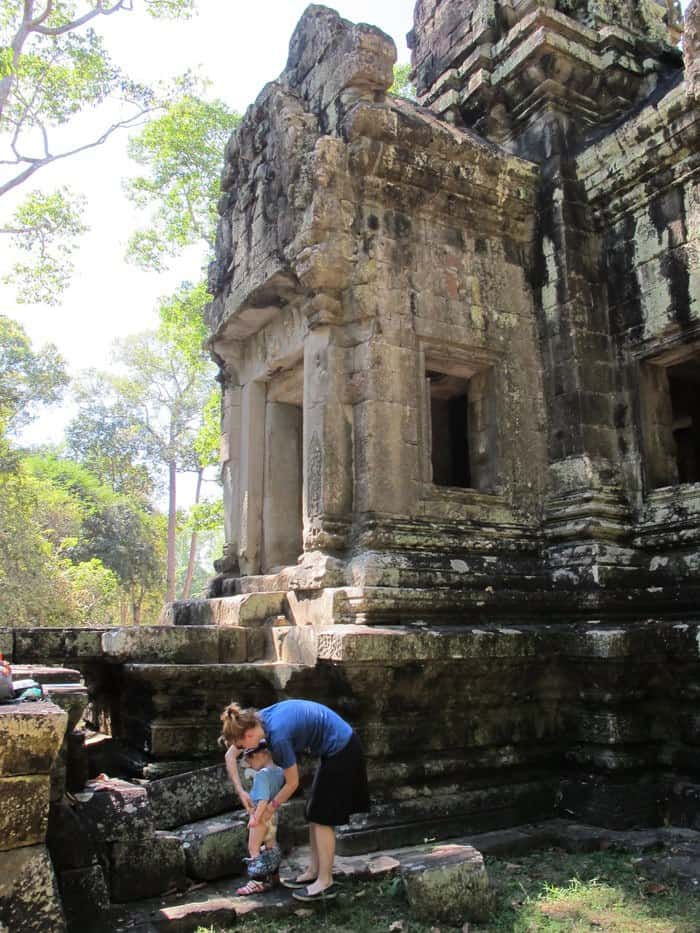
(670, 406)
(684, 388)
(462, 428)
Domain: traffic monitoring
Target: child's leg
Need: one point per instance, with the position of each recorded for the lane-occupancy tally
(256, 837)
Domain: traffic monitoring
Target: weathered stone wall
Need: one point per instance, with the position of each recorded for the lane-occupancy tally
(30, 739)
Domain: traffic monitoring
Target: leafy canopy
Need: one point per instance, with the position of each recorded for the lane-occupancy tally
(27, 378)
(182, 152)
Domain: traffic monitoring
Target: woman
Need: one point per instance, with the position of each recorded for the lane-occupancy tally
(339, 787)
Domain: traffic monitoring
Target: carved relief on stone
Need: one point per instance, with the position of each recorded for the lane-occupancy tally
(691, 49)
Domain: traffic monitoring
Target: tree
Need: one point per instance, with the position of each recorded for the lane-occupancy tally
(182, 152)
(53, 67)
(163, 390)
(402, 86)
(27, 378)
(105, 542)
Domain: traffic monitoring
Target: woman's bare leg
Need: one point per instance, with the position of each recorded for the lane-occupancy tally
(323, 850)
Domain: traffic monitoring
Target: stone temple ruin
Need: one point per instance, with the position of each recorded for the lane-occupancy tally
(459, 344)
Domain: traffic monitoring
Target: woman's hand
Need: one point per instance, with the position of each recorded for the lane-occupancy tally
(231, 761)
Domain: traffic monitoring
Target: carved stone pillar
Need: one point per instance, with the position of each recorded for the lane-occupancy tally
(251, 477)
(230, 477)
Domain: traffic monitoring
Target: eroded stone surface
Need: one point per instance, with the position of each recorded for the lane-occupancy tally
(214, 848)
(449, 884)
(148, 869)
(691, 48)
(185, 798)
(30, 737)
(29, 899)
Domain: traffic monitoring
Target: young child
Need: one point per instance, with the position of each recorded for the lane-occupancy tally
(262, 826)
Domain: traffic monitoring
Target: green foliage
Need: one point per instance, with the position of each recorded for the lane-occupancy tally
(45, 229)
(182, 321)
(72, 551)
(105, 438)
(182, 153)
(27, 378)
(402, 86)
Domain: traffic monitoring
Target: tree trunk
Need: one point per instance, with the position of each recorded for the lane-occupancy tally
(172, 516)
(193, 544)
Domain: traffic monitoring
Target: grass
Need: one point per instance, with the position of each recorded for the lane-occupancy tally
(545, 892)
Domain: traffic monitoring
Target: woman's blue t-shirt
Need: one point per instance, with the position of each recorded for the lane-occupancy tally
(293, 727)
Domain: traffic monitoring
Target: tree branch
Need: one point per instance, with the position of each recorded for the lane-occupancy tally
(81, 20)
(40, 163)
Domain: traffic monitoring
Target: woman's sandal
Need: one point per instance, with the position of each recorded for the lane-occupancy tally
(254, 887)
(328, 894)
(294, 883)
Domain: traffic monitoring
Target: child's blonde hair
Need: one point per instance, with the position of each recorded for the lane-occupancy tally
(236, 722)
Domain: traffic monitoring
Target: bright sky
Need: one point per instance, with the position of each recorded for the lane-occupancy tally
(239, 46)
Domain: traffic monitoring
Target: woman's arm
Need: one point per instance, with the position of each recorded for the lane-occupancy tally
(231, 761)
(291, 782)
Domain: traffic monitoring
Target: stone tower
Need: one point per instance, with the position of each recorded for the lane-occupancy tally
(459, 342)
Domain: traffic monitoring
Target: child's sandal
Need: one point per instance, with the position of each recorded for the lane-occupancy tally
(253, 887)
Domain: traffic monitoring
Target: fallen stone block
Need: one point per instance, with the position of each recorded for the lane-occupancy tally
(448, 884)
(214, 848)
(116, 810)
(29, 900)
(217, 913)
(85, 897)
(147, 870)
(30, 737)
(24, 810)
(195, 795)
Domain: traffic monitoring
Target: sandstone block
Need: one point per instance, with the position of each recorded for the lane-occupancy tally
(691, 49)
(448, 884)
(85, 897)
(47, 675)
(148, 869)
(162, 644)
(195, 795)
(41, 645)
(29, 900)
(116, 811)
(215, 913)
(72, 698)
(70, 839)
(30, 737)
(237, 644)
(214, 848)
(24, 810)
